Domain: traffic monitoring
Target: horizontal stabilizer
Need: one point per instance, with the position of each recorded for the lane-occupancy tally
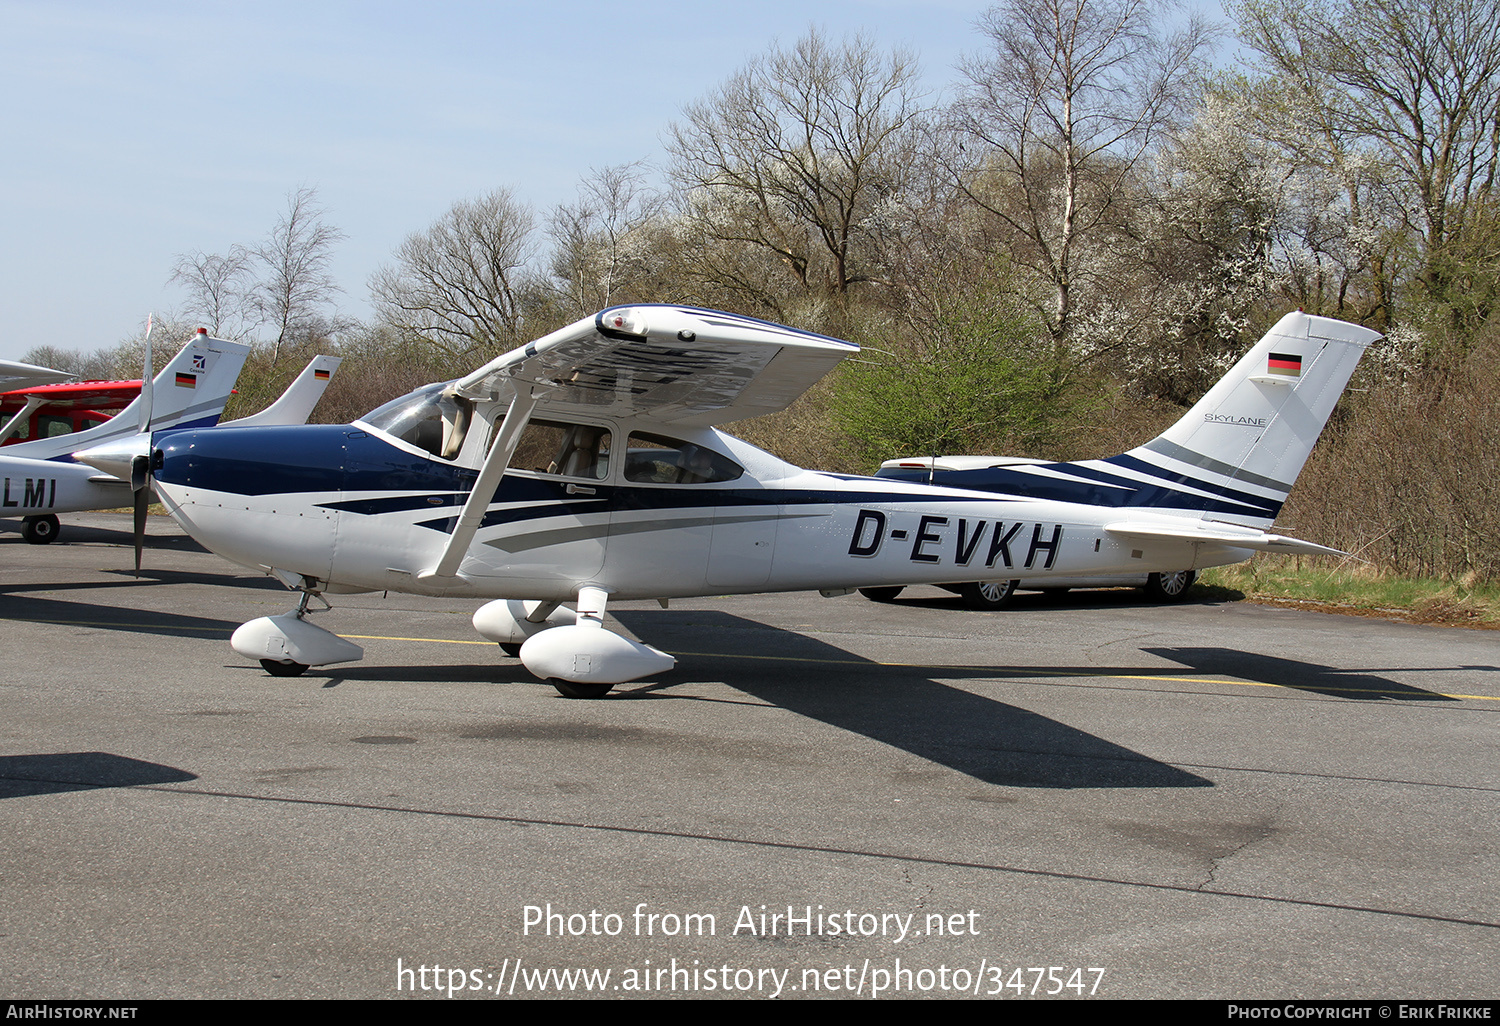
(1223, 534)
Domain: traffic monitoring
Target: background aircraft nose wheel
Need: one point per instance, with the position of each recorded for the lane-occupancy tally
(278, 669)
(40, 530)
(511, 648)
(573, 689)
(1170, 587)
(880, 594)
(988, 595)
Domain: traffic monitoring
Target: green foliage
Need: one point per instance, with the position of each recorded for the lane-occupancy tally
(978, 379)
(1359, 589)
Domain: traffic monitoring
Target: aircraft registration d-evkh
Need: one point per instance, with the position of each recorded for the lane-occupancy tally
(585, 467)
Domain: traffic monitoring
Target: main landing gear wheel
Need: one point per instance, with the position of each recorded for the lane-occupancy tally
(40, 530)
(881, 594)
(279, 669)
(988, 595)
(511, 648)
(573, 689)
(1170, 587)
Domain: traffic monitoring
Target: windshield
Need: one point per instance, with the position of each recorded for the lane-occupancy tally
(430, 418)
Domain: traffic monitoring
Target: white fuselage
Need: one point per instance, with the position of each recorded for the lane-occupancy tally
(356, 509)
(37, 488)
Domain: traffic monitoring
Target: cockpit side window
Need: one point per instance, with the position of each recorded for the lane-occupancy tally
(658, 459)
(566, 450)
(431, 418)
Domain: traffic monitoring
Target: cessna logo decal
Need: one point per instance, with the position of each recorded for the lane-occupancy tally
(937, 536)
(34, 495)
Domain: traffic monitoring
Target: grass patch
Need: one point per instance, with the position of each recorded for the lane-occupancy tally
(1361, 591)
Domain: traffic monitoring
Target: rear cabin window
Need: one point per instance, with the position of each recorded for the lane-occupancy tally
(659, 459)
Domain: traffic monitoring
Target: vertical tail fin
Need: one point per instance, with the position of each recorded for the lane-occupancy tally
(190, 391)
(1249, 437)
(296, 404)
(1232, 458)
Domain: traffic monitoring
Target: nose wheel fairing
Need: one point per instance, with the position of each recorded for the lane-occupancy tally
(573, 651)
(290, 640)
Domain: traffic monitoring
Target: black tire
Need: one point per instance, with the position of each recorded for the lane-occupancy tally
(989, 595)
(881, 594)
(511, 648)
(1055, 592)
(280, 669)
(1170, 587)
(575, 689)
(40, 530)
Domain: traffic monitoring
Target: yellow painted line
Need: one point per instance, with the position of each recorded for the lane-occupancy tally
(434, 641)
(1020, 673)
(1014, 674)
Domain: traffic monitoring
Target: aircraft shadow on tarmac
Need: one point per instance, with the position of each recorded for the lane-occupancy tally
(20, 604)
(1315, 678)
(76, 533)
(25, 775)
(901, 706)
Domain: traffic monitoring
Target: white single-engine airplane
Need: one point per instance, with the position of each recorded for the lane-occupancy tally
(41, 478)
(585, 467)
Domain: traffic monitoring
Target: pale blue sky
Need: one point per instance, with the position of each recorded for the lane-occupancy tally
(138, 131)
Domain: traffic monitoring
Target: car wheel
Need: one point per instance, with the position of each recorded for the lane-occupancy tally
(881, 594)
(988, 594)
(1170, 587)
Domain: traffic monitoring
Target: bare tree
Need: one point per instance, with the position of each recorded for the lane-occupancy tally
(1056, 116)
(599, 244)
(461, 284)
(219, 289)
(297, 281)
(1416, 83)
(797, 153)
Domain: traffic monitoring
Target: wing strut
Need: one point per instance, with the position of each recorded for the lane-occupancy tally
(516, 417)
(14, 424)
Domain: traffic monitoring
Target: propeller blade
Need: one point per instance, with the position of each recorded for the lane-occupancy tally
(140, 484)
(146, 379)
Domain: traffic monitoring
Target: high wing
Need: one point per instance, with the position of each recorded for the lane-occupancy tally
(75, 395)
(675, 364)
(14, 376)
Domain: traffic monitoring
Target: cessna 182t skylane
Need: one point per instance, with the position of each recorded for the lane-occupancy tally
(584, 467)
(40, 478)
